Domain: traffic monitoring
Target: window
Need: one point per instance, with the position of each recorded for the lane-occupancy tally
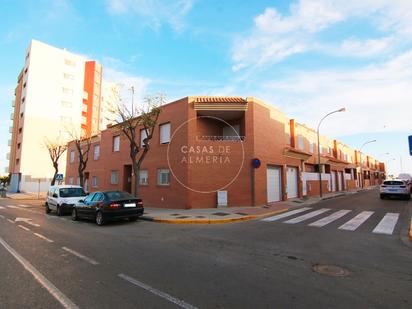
(94, 181)
(18, 146)
(311, 147)
(71, 181)
(98, 197)
(143, 135)
(78, 181)
(24, 85)
(67, 91)
(68, 76)
(66, 104)
(301, 144)
(84, 108)
(96, 152)
(70, 63)
(72, 156)
(114, 177)
(20, 129)
(116, 143)
(17, 161)
(163, 177)
(165, 133)
(143, 177)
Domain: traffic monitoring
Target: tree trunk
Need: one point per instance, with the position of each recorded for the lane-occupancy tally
(56, 171)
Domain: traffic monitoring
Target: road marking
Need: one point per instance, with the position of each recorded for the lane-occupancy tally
(1, 207)
(11, 221)
(357, 221)
(93, 262)
(286, 214)
(24, 206)
(387, 224)
(329, 219)
(27, 220)
(50, 287)
(14, 207)
(161, 294)
(23, 227)
(3, 217)
(43, 237)
(307, 216)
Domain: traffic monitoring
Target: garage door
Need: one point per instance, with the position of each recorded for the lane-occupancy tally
(333, 176)
(273, 184)
(292, 182)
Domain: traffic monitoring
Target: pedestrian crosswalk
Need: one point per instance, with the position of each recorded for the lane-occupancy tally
(385, 226)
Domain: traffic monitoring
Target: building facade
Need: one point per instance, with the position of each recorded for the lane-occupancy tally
(58, 93)
(202, 151)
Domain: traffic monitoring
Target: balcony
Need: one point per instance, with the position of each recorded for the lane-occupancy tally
(9, 142)
(8, 156)
(13, 103)
(11, 129)
(12, 116)
(220, 138)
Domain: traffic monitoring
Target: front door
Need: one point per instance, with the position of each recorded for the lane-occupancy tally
(273, 184)
(292, 182)
(127, 178)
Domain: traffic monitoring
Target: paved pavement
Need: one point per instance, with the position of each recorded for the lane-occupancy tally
(52, 262)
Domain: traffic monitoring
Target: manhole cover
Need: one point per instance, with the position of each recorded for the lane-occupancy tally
(330, 270)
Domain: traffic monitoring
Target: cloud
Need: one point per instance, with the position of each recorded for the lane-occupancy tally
(155, 12)
(275, 36)
(374, 95)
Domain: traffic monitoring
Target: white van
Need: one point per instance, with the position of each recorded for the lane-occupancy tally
(62, 198)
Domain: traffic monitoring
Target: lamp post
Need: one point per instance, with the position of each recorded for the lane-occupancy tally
(132, 90)
(360, 159)
(317, 132)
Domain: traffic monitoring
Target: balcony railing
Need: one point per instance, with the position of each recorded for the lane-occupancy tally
(220, 138)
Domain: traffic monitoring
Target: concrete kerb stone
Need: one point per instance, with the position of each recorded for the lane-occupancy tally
(160, 219)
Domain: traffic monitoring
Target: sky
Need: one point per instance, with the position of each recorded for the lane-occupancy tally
(305, 57)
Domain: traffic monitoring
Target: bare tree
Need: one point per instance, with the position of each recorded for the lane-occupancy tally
(83, 145)
(130, 121)
(56, 149)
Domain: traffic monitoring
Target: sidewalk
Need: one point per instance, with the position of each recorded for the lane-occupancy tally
(26, 196)
(231, 214)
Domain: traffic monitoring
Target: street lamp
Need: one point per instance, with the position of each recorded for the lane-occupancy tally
(132, 90)
(360, 159)
(317, 132)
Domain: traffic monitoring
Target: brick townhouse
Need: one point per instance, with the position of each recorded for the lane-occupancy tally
(203, 147)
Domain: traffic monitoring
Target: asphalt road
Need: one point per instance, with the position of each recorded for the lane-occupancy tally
(52, 262)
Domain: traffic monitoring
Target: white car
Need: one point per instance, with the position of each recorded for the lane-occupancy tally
(62, 198)
(395, 188)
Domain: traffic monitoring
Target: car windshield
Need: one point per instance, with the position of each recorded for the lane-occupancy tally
(119, 195)
(393, 183)
(72, 192)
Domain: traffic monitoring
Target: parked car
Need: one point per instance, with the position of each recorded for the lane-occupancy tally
(109, 205)
(395, 188)
(61, 198)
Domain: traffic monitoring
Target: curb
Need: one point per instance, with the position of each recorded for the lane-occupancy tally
(211, 221)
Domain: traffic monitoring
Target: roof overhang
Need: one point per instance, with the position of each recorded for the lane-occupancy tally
(219, 103)
(296, 153)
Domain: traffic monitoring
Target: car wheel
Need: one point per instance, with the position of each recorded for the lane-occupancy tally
(74, 214)
(47, 208)
(407, 197)
(99, 218)
(133, 219)
(59, 210)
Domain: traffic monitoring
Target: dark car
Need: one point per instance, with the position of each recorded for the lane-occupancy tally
(109, 205)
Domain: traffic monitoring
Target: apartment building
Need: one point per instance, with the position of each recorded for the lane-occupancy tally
(202, 151)
(57, 92)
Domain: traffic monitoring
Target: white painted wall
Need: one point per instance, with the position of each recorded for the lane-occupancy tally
(44, 113)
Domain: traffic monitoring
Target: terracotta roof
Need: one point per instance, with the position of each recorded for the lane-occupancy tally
(209, 99)
(333, 159)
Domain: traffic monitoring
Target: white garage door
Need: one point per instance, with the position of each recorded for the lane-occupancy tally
(333, 176)
(292, 182)
(273, 184)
